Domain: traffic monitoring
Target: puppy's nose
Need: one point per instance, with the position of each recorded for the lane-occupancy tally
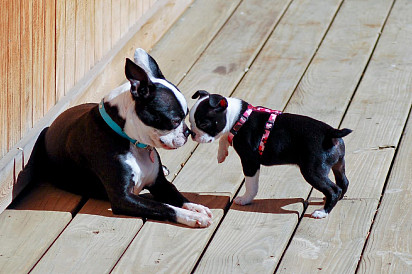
(187, 132)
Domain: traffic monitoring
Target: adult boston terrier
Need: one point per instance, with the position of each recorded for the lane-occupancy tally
(261, 136)
(108, 149)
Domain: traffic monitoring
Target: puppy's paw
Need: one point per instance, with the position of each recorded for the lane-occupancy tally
(221, 156)
(242, 200)
(198, 208)
(319, 214)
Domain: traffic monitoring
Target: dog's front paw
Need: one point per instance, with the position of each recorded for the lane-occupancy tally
(242, 200)
(193, 219)
(198, 208)
(221, 156)
(319, 214)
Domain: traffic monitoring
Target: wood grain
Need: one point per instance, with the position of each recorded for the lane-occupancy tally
(49, 77)
(70, 46)
(60, 48)
(182, 45)
(160, 247)
(90, 243)
(80, 45)
(25, 235)
(3, 79)
(363, 105)
(221, 67)
(26, 73)
(13, 75)
(389, 245)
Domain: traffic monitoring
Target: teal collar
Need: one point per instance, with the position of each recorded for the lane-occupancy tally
(112, 124)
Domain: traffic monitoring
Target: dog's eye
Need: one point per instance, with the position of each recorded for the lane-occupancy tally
(204, 124)
(175, 123)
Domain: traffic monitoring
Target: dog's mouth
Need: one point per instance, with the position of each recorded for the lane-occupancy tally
(166, 146)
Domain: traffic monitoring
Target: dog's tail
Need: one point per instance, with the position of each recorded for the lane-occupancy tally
(34, 168)
(338, 133)
(332, 135)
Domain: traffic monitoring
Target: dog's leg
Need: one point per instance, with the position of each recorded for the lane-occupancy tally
(252, 186)
(318, 178)
(340, 176)
(223, 151)
(251, 171)
(166, 192)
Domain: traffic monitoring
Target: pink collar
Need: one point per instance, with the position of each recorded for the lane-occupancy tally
(268, 125)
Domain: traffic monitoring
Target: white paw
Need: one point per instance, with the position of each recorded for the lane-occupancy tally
(193, 219)
(221, 156)
(198, 208)
(242, 200)
(319, 214)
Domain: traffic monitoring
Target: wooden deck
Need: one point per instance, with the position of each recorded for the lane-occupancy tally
(348, 63)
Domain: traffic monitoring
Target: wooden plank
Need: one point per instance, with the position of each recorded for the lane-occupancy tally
(158, 19)
(49, 79)
(220, 67)
(124, 17)
(92, 242)
(4, 22)
(31, 224)
(182, 45)
(165, 244)
(107, 26)
(389, 245)
(275, 183)
(89, 36)
(98, 30)
(38, 59)
(371, 99)
(282, 62)
(26, 78)
(115, 22)
(70, 46)
(80, 52)
(60, 48)
(25, 235)
(13, 91)
(143, 34)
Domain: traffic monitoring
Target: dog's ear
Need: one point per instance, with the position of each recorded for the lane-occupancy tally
(218, 102)
(200, 93)
(138, 78)
(146, 62)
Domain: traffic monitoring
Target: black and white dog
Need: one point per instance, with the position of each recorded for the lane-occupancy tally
(266, 137)
(108, 149)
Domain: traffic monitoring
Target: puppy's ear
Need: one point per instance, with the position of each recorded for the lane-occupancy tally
(146, 62)
(138, 79)
(218, 102)
(200, 93)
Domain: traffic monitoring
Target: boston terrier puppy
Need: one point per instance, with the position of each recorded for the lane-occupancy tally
(267, 137)
(108, 149)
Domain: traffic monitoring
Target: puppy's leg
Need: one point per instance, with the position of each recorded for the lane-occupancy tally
(340, 176)
(251, 171)
(252, 186)
(317, 176)
(223, 151)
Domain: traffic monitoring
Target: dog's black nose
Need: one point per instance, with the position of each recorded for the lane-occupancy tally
(187, 132)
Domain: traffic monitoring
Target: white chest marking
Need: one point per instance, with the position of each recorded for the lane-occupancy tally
(143, 171)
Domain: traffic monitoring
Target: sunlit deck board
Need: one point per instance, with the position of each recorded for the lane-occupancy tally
(252, 38)
(223, 63)
(34, 223)
(389, 247)
(340, 246)
(93, 242)
(325, 101)
(159, 247)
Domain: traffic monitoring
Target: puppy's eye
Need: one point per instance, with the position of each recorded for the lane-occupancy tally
(204, 124)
